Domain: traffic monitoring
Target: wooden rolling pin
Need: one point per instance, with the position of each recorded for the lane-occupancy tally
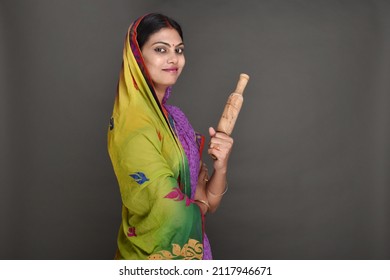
(233, 107)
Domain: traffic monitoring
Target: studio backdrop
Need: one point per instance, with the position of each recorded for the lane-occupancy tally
(309, 172)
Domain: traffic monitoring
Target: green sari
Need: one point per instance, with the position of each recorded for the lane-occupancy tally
(159, 220)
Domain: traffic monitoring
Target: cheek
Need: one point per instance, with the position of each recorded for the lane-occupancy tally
(147, 63)
(156, 63)
(183, 61)
(150, 60)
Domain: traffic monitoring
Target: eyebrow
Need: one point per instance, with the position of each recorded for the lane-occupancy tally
(164, 43)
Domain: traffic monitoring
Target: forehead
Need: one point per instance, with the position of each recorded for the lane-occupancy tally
(166, 35)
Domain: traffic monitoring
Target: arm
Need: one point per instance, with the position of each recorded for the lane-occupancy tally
(212, 190)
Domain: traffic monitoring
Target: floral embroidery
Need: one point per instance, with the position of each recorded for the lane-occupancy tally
(177, 195)
(131, 232)
(139, 177)
(191, 251)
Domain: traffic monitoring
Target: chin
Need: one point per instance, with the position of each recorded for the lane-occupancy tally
(171, 82)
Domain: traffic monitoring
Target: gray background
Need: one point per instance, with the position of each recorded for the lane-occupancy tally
(309, 175)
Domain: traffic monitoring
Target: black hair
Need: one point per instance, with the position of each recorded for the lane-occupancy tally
(151, 24)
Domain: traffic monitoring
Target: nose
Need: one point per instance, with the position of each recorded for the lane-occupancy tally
(173, 59)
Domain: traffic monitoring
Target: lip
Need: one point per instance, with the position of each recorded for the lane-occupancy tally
(171, 70)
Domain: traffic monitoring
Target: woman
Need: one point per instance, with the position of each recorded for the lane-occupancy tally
(155, 152)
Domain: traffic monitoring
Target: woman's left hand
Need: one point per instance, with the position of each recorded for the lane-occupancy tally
(220, 148)
(203, 178)
(200, 193)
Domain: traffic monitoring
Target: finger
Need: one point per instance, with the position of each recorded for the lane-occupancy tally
(215, 154)
(211, 152)
(205, 174)
(219, 145)
(212, 131)
(218, 141)
(223, 136)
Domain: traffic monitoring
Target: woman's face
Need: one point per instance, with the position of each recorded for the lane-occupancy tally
(163, 55)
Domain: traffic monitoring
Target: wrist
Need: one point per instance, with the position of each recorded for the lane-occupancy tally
(220, 171)
(203, 205)
(211, 193)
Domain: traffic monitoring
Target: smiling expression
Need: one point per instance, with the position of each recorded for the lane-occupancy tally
(163, 55)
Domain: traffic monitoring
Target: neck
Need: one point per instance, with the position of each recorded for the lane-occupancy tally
(160, 92)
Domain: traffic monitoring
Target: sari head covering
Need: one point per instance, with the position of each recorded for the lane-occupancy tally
(159, 217)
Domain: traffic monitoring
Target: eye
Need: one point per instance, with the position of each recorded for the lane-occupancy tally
(160, 50)
(179, 50)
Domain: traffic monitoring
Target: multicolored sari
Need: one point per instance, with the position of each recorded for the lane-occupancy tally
(159, 218)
